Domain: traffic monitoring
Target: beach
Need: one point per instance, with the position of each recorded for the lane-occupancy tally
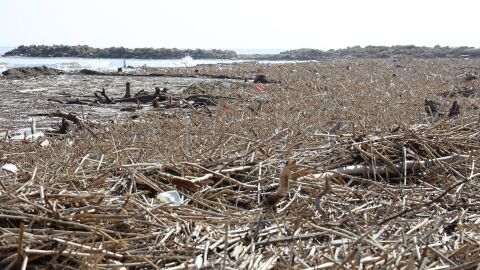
(351, 163)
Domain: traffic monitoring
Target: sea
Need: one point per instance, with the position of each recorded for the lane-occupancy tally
(104, 64)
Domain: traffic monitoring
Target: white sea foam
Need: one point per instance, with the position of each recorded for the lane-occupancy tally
(101, 64)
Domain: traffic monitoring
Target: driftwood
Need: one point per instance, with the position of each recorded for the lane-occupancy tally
(272, 199)
(127, 90)
(74, 119)
(143, 99)
(76, 101)
(384, 169)
(103, 98)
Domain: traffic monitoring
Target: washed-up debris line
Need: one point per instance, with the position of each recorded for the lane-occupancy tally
(310, 173)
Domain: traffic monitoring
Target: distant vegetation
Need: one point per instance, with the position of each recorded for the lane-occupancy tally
(300, 54)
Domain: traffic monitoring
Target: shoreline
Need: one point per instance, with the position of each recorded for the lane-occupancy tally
(83, 51)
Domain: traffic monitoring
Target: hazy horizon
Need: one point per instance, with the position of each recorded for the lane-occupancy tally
(247, 24)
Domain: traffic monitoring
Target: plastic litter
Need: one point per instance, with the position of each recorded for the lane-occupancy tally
(10, 167)
(45, 143)
(171, 196)
(262, 86)
(226, 85)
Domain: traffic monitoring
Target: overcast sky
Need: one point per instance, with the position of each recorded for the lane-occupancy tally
(247, 24)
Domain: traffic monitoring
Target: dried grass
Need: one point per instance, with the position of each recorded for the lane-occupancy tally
(88, 202)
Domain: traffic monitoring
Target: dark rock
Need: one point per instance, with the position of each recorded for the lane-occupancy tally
(117, 52)
(25, 72)
(260, 79)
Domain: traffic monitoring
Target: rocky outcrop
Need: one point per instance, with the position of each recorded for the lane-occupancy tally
(371, 52)
(25, 72)
(117, 52)
(300, 54)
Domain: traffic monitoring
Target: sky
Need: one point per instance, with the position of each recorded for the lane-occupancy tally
(246, 24)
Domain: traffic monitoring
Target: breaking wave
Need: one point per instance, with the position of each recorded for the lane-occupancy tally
(72, 64)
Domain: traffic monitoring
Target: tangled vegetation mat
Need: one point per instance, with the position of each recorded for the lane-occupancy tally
(349, 164)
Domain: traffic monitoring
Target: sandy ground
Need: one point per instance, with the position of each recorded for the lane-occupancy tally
(22, 99)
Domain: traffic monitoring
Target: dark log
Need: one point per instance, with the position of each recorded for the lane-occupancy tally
(128, 109)
(105, 98)
(78, 102)
(141, 93)
(143, 99)
(127, 90)
(72, 118)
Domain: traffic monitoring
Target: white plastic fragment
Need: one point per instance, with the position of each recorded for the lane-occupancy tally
(10, 167)
(45, 143)
(226, 85)
(171, 196)
(199, 261)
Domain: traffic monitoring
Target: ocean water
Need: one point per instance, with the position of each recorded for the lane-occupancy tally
(103, 64)
(100, 64)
